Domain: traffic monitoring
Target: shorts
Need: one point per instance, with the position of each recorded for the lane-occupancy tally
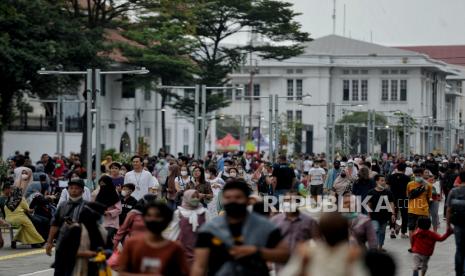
(412, 221)
(316, 190)
(420, 262)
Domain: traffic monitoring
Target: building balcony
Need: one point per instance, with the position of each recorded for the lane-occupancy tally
(44, 123)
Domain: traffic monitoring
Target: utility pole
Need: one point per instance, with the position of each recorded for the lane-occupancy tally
(276, 119)
(270, 125)
(204, 119)
(334, 17)
(196, 120)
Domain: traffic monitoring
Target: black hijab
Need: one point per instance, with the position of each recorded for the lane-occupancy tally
(107, 194)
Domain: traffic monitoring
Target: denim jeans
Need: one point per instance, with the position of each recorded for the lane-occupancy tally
(459, 232)
(380, 229)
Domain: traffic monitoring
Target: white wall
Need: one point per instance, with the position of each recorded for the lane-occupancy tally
(38, 143)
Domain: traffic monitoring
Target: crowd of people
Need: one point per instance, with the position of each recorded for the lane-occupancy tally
(167, 215)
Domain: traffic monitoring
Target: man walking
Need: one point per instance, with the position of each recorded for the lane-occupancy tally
(285, 177)
(456, 216)
(398, 184)
(141, 178)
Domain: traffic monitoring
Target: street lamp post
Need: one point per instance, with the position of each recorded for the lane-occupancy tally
(90, 73)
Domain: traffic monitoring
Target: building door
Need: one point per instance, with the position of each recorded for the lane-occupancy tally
(309, 141)
(125, 143)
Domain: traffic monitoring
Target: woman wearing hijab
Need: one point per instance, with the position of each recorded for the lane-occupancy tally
(15, 210)
(189, 216)
(108, 196)
(80, 242)
(24, 179)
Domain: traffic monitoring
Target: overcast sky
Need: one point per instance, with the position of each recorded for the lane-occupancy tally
(393, 22)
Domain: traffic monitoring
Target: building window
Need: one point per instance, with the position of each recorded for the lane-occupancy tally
(403, 72)
(384, 72)
(128, 88)
(299, 71)
(345, 72)
(364, 90)
(298, 115)
(247, 91)
(298, 89)
(354, 90)
(256, 91)
(147, 94)
(290, 90)
(403, 90)
(354, 72)
(345, 90)
(238, 94)
(460, 117)
(364, 72)
(393, 90)
(459, 87)
(384, 90)
(168, 138)
(185, 149)
(147, 132)
(290, 71)
(394, 72)
(229, 94)
(290, 116)
(103, 85)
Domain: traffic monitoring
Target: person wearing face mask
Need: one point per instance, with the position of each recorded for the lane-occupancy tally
(15, 210)
(225, 173)
(183, 179)
(216, 185)
(238, 241)
(361, 230)
(151, 253)
(188, 218)
(24, 179)
(295, 226)
(419, 193)
(82, 241)
(342, 184)
(67, 211)
(108, 196)
(351, 169)
(233, 173)
(382, 207)
(333, 173)
(64, 196)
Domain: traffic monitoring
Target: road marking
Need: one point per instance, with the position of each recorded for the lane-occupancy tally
(18, 255)
(37, 272)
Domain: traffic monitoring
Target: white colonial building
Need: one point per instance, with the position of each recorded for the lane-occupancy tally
(352, 74)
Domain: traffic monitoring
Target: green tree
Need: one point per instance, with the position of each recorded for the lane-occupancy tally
(164, 49)
(214, 21)
(36, 34)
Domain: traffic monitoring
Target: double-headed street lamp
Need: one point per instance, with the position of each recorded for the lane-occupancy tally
(93, 89)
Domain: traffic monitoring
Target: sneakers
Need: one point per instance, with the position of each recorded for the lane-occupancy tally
(393, 234)
(397, 229)
(404, 236)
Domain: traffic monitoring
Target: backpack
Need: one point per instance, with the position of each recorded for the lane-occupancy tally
(416, 192)
(457, 206)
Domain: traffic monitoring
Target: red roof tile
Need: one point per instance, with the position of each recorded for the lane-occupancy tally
(452, 54)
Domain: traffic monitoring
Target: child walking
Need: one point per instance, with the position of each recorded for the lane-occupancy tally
(423, 241)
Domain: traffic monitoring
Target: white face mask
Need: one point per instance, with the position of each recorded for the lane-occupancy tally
(24, 176)
(124, 193)
(241, 171)
(75, 198)
(207, 176)
(226, 168)
(183, 173)
(232, 174)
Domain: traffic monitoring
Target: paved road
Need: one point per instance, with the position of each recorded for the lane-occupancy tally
(26, 261)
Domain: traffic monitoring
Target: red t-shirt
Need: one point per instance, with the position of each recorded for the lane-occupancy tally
(139, 256)
(424, 240)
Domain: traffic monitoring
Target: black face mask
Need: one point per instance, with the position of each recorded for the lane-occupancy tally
(156, 227)
(337, 167)
(343, 175)
(235, 210)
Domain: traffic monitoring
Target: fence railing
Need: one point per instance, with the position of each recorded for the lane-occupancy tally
(44, 123)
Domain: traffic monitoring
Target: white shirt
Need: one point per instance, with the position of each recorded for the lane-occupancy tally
(316, 176)
(308, 165)
(65, 196)
(143, 182)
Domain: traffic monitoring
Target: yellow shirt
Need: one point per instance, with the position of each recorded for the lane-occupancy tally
(420, 205)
